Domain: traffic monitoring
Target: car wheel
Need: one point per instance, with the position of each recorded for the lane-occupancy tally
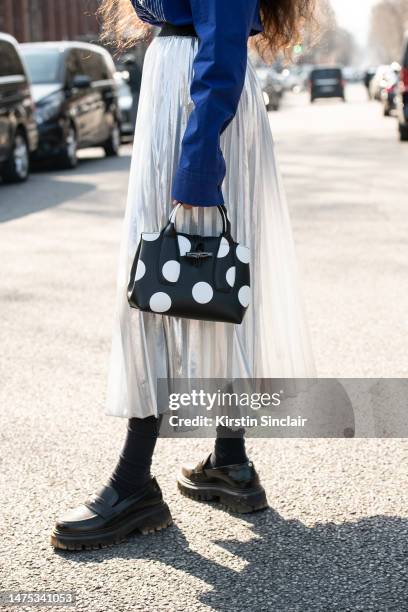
(112, 145)
(403, 132)
(17, 168)
(69, 155)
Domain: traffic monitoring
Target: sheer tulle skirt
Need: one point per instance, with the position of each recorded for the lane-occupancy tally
(273, 340)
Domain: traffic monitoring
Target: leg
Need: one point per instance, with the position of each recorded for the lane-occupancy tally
(132, 471)
(131, 501)
(229, 448)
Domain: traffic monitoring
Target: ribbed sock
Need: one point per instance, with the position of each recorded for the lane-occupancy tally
(132, 471)
(229, 448)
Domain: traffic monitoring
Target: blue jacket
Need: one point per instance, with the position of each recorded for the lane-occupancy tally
(223, 28)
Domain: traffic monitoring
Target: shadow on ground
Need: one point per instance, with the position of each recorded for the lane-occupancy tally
(289, 566)
(49, 188)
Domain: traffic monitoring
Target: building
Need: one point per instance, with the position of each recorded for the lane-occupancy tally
(39, 20)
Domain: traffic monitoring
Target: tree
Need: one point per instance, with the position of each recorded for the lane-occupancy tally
(389, 21)
(327, 43)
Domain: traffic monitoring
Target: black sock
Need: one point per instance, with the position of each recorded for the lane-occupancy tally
(229, 448)
(132, 471)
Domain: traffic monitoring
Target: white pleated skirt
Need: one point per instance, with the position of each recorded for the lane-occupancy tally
(273, 340)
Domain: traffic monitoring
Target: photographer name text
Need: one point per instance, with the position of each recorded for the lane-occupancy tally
(234, 422)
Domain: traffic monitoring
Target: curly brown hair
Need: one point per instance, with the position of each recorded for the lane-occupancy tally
(282, 20)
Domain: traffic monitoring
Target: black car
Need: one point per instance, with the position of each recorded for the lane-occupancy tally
(402, 96)
(326, 82)
(126, 107)
(18, 130)
(76, 99)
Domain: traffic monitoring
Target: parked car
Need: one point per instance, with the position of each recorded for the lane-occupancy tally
(76, 99)
(379, 81)
(271, 86)
(388, 96)
(18, 129)
(127, 120)
(402, 96)
(369, 74)
(131, 64)
(388, 93)
(326, 82)
(383, 86)
(291, 79)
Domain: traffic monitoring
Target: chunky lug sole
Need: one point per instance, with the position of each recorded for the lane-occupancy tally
(144, 521)
(240, 501)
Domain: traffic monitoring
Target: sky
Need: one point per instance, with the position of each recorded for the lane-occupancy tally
(354, 15)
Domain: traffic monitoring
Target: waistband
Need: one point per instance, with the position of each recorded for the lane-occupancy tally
(169, 29)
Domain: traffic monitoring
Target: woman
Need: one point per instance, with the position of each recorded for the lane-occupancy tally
(202, 137)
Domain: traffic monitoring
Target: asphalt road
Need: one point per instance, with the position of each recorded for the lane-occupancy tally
(335, 537)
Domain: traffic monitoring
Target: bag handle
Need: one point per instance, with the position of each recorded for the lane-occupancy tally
(226, 223)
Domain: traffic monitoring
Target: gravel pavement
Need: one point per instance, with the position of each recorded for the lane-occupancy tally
(335, 536)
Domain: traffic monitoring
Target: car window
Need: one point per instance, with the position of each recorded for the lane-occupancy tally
(327, 73)
(93, 65)
(72, 67)
(43, 64)
(10, 63)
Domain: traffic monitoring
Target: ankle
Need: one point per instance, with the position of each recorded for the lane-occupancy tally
(234, 456)
(125, 488)
(229, 448)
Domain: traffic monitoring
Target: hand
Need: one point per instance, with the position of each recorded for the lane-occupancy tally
(186, 206)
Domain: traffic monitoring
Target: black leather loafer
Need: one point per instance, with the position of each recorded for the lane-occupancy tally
(236, 487)
(101, 521)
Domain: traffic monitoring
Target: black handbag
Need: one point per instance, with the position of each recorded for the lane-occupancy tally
(191, 276)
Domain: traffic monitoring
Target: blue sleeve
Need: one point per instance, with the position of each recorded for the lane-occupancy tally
(219, 69)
